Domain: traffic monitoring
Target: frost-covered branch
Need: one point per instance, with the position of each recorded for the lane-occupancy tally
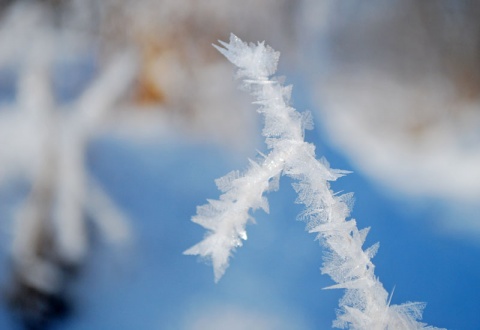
(365, 304)
(45, 142)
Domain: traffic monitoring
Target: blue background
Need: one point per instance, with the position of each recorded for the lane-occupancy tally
(151, 285)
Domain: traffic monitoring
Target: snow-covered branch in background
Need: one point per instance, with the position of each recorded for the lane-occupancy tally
(366, 304)
(45, 143)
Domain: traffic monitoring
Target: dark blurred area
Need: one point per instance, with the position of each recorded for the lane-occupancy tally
(410, 39)
(399, 87)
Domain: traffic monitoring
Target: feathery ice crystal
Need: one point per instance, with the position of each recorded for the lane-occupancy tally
(365, 304)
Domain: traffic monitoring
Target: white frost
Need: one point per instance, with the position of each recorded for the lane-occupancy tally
(365, 304)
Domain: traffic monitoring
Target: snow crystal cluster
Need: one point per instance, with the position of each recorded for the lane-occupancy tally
(366, 304)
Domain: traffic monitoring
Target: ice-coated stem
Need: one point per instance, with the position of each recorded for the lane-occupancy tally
(365, 304)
